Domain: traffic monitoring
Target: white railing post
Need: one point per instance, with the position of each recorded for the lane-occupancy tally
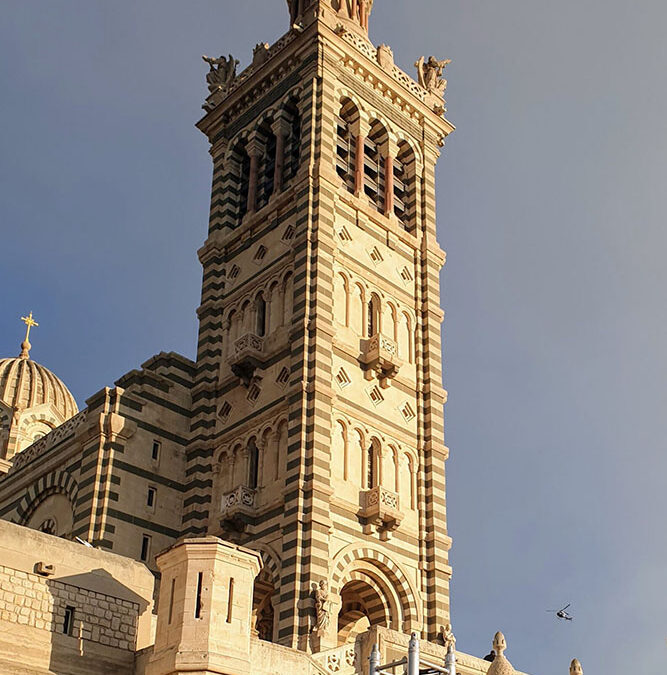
(374, 661)
(413, 656)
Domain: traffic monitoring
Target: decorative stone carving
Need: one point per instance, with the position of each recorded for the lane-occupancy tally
(429, 73)
(322, 609)
(500, 665)
(260, 54)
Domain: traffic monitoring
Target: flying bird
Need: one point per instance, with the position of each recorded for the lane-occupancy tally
(562, 613)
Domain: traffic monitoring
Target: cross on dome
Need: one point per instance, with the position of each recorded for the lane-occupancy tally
(25, 345)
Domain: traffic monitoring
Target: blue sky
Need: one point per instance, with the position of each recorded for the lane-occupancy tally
(551, 205)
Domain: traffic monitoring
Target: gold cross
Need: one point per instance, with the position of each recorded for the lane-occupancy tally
(30, 323)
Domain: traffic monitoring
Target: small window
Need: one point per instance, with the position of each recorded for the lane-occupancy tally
(343, 379)
(253, 393)
(155, 452)
(283, 376)
(289, 233)
(225, 410)
(68, 621)
(234, 272)
(261, 253)
(151, 497)
(406, 275)
(145, 548)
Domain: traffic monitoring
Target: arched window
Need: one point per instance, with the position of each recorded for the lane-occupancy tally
(346, 143)
(404, 186)
(293, 146)
(374, 166)
(267, 170)
(260, 309)
(242, 161)
(253, 464)
(373, 316)
(372, 465)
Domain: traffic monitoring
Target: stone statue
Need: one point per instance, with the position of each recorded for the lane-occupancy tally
(430, 74)
(447, 637)
(322, 609)
(575, 668)
(365, 7)
(222, 73)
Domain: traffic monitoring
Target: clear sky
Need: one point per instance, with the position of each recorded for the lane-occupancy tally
(551, 204)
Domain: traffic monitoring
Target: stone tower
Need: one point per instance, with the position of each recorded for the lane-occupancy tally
(317, 434)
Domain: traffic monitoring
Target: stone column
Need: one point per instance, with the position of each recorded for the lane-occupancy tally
(205, 609)
(390, 153)
(360, 131)
(254, 149)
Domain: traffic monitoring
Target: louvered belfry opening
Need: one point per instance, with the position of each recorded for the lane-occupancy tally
(374, 166)
(404, 186)
(346, 123)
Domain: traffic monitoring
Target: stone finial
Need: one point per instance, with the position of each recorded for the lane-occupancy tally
(499, 644)
(575, 668)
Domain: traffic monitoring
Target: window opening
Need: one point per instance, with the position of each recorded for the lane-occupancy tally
(155, 452)
(230, 600)
(171, 600)
(145, 548)
(261, 316)
(150, 497)
(68, 621)
(253, 469)
(200, 579)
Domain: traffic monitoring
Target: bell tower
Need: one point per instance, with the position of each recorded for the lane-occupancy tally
(318, 433)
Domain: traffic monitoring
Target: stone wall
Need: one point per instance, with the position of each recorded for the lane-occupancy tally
(109, 599)
(36, 601)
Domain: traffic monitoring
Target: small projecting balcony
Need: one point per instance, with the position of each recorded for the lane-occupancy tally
(381, 507)
(236, 507)
(379, 354)
(248, 355)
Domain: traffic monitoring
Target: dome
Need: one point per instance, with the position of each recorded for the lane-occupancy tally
(33, 402)
(25, 384)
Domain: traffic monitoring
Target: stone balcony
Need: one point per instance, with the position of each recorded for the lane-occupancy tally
(249, 354)
(236, 507)
(381, 508)
(379, 356)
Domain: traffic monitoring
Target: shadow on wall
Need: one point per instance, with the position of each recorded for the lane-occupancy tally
(93, 631)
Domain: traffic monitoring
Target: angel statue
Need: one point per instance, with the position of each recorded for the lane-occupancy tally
(222, 72)
(447, 637)
(430, 74)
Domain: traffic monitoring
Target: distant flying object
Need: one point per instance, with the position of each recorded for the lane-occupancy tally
(562, 614)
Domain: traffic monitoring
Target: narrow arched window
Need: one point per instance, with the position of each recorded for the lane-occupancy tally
(253, 464)
(371, 466)
(405, 201)
(346, 143)
(374, 166)
(373, 316)
(293, 147)
(260, 308)
(267, 168)
(243, 183)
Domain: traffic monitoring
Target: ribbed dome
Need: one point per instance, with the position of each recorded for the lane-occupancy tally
(25, 384)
